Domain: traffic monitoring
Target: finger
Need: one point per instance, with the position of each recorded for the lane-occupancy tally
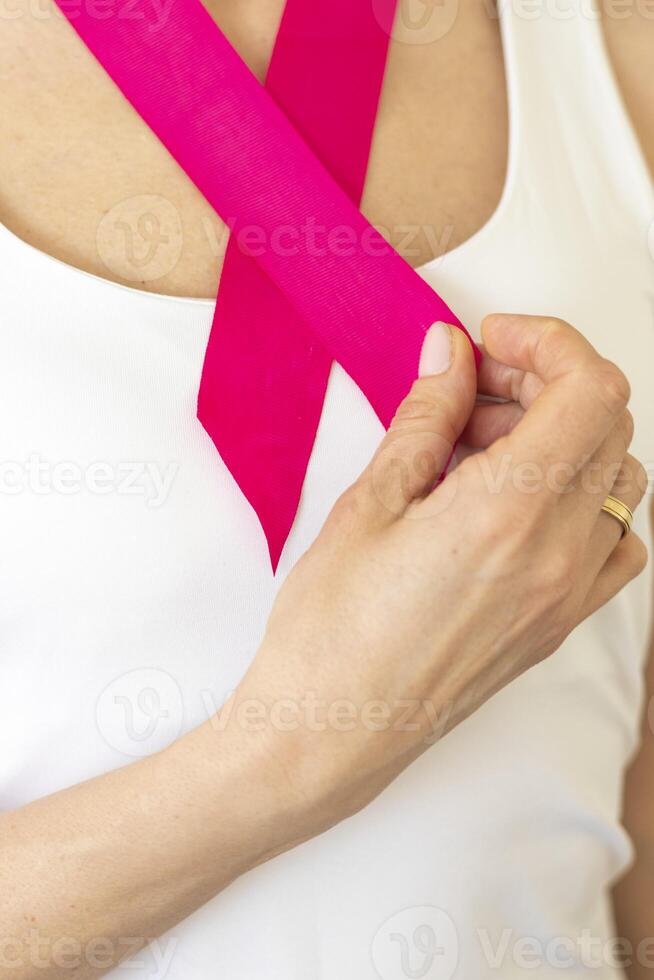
(587, 490)
(626, 561)
(582, 396)
(421, 438)
(608, 464)
(490, 421)
(607, 531)
(499, 380)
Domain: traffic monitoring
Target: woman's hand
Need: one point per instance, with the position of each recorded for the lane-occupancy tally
(416, 604)
(411, 609)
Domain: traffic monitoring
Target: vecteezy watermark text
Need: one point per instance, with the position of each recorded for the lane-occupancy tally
(37, 475)
(41, 951)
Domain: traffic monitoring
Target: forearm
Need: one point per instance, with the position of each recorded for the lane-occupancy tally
(133, 852)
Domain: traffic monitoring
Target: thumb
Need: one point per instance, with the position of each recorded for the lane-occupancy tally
(428, 422)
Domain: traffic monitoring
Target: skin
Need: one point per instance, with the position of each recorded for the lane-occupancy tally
(355, 615)
(55, 96)
(57, 105)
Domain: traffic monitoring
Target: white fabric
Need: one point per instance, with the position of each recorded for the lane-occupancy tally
(124, 622)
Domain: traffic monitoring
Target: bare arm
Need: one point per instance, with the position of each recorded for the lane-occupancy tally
(135, 851)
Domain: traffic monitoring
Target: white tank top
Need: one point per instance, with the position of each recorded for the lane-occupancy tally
(135, 585)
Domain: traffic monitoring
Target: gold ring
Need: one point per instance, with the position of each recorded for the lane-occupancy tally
(620, 511)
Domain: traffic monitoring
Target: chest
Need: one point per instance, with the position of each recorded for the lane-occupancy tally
(85, 180)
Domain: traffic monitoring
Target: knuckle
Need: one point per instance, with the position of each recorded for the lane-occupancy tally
(639, 479)
(420, 401)
(558, 577)
(612, 386)
(627, 428)
(635, 555)
(426, 408)
(555, 327)
(632, 481)
(415, 407)
(350, 505)
(553, 334)
(623, 433)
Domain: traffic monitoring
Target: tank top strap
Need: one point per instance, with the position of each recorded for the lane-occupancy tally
(570, 124)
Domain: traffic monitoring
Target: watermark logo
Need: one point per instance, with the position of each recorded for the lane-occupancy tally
(140, 712)
(419, 943)
(140, 239)
(404, 466)
(419, 21)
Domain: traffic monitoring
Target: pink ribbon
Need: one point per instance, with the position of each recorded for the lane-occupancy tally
(326, 74)
(288, 306)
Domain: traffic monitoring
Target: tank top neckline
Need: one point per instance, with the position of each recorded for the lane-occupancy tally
(515, 74)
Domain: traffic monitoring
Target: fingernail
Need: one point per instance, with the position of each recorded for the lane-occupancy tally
(436, 353)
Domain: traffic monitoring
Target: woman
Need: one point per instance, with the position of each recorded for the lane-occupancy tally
(156, 749)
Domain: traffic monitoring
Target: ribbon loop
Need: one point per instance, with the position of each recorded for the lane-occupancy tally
(284, 313)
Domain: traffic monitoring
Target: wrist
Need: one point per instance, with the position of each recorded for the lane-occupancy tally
(242, 781)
